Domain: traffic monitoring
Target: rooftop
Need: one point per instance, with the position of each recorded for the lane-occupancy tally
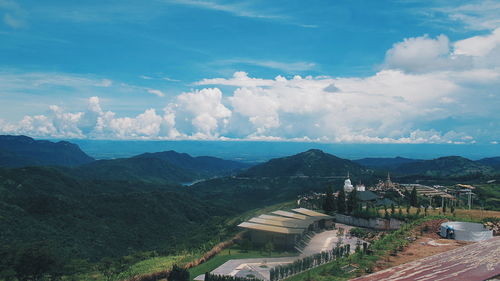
(270, 228)
(285, 222)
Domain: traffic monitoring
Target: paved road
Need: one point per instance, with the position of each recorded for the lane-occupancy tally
(478, 261)
(259, 267)
(326, 240)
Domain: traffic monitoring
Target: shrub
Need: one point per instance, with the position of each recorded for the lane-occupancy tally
(359, 232)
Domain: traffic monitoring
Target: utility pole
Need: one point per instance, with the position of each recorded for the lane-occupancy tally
(470, 199)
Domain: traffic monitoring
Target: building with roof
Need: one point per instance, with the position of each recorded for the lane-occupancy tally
(284, 228)
(427, 191)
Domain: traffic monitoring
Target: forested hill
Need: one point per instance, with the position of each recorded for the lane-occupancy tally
(95, 219)
(313, 163)
(451, 166)
(493, 162)
(151, 170)
(18, 151)
(205, 165)
(160, 167)
(385, 163)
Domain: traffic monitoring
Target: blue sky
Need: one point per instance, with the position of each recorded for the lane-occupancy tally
(327, 71)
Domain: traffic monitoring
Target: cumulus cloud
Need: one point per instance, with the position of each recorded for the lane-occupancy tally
(418, 54)
(478, 46)
(202, 112)
(429, 90)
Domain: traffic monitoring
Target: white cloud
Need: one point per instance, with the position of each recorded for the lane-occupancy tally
(156, 92)
(430, 90)
(239, 78)
(203, 110)
(240, 9)
(475, 15)
(246, 9)
(418, 54)
(478, 46)
(13, 15)
(288, 67)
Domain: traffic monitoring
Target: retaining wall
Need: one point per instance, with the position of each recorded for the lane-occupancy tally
(378, 223)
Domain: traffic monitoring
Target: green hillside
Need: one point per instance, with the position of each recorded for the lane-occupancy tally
(493, 162)
(313, 163)
(152, 170)
(95, 219)
(18, 151)
(204, 165)
(451, 166)
(385, 163)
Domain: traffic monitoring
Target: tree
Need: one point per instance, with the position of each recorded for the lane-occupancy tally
(444, 206)
(393, 209)
(178, 274)
(36, 261)
(8, 256)
(246, 245)
(329, 202)
(341, 207)
(406, 196)
(352, 201)
(413, 197)
(269, 247)
(108, 268)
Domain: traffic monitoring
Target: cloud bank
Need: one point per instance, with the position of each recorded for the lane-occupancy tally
(429, 90)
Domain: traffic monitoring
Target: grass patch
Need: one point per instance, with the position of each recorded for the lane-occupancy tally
(224, 256)
(153, 265)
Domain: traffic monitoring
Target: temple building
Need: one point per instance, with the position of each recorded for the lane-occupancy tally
(348, 187)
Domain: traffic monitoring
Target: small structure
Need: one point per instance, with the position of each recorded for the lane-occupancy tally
(465, 231)
(284, 229)
(348, 187)
(360, 187)
(427, 191)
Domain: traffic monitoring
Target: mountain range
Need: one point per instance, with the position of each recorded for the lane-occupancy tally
(161, 167)
(19, 151)
(449, 166)
(91, 209)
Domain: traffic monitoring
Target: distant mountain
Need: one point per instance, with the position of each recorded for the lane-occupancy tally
(387, 163)
(450, 166)
(204, 165)
(19, 151)
(313, 162)
(152, 170)
(492, 162)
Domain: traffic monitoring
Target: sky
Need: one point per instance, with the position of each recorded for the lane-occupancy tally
(344, 71)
